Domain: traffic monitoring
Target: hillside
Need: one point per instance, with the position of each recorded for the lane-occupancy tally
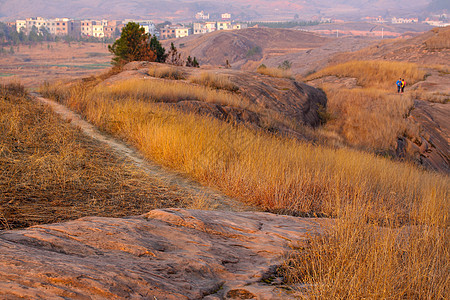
(229, 142)
(429, 96)
(251, 44)
(431, 47)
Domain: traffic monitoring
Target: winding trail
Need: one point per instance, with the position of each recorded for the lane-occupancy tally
(213, 199)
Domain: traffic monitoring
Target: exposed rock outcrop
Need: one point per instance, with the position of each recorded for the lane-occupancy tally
(164, 254)
(433, 147)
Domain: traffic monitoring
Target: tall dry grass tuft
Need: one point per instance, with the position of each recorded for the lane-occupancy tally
(370, 118)
(440, 41)
(358, 259)
(166, 91)
(168, 72)
(51, 172)
(215, 81)
(275, 72)
(374, 74)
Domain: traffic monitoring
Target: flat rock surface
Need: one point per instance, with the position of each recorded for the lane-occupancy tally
(164, 254)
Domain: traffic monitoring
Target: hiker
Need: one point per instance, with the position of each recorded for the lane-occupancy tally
(403, 84)
(399, 85)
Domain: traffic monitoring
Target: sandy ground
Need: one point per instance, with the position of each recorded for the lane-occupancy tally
(50, 61)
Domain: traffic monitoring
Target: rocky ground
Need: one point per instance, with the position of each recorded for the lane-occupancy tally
(164, 254)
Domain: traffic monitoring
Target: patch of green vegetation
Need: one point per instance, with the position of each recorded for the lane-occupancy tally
(6, 75)
(253, 51)
(97, 54)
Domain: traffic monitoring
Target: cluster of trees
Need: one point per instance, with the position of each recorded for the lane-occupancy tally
(136, 45)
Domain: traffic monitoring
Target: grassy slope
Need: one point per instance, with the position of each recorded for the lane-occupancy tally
(51, 172)
(357, 258)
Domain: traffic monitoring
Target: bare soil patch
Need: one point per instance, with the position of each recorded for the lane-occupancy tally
(49, 61)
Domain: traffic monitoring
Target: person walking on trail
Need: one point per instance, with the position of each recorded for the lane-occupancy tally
(403, 85)
(399, 85)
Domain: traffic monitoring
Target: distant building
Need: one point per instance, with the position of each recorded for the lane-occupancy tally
(86, 28)
(37, 22)
(21, 25)
(202, 16)
(395, 20)
(378, 19)
(170, 32)
(239, 26)
(201, 28)
(224, 25)
(436, 23)
(61, 26)
(226, 16)
(110, 29)
(148, 25)
(75, 28)
(97, 29)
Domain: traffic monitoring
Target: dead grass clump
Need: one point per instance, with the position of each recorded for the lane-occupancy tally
(441, 40)
(370, 118)
(50, 172)
(167, 91)
(374, 74)
(215, 81)
(357, 259)
(167, 72)
(436, 97)
(275, 72)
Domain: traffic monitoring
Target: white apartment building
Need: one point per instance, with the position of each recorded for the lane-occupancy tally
(97, 29)
(181, 32)
(200, 28)
(202, 16)
(226, 16)
(21, 25)
(37, 22)
(224, 25)
(148, 25)
(404, 20)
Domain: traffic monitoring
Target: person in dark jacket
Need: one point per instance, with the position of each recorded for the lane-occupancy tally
(399, 85)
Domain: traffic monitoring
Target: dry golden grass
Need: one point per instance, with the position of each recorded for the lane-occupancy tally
(216, 81)
(436, 97)
(274, 72)
(374, 74)
(167, 91)
(439, 41)
(50, 172)
(357, 258)
(275, 173)
(370, 118)
(167, 72)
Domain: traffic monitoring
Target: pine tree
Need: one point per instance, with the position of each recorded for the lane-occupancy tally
(174, 56)
(133, 45)
(159, 50)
